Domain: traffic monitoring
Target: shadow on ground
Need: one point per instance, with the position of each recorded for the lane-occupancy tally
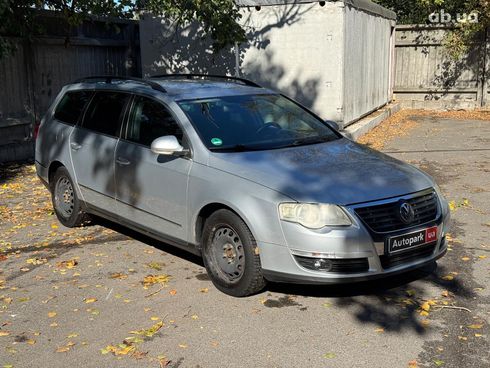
(392, 304)
(10, 171)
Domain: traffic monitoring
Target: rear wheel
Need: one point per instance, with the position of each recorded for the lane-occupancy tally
(231, 255)
(66, 204)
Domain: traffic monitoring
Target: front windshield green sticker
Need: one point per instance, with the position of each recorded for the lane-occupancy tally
(216, 141)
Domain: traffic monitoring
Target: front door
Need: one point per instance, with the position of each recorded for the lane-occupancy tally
(93, 144)
(151, 189)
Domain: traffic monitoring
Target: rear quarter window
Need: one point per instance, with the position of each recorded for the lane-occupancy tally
(71, 106)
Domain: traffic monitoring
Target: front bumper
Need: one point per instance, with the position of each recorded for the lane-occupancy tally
(351, 245)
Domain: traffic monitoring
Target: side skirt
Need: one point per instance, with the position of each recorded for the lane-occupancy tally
(191, 248)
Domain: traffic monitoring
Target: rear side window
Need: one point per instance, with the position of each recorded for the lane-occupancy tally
(71, 106)
(150, 120)
(105, 112)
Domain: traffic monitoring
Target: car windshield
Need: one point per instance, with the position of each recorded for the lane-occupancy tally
(255, 122)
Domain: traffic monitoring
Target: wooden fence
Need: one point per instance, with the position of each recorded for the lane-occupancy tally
(32, 77)
(426, 76)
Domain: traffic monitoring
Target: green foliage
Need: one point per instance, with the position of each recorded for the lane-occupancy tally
(219, 18)
(458, 40)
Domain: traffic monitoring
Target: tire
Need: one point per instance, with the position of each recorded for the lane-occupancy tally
(66, 203)
(231, 255)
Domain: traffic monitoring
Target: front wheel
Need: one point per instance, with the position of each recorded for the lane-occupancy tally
(66, 204)
(231, 256)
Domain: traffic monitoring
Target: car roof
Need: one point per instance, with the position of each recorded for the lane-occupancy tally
(177, 88)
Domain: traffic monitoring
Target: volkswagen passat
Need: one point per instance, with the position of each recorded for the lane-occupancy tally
(258, 185)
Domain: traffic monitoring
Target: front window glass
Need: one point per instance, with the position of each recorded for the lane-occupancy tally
(254, 122)
(149, 121)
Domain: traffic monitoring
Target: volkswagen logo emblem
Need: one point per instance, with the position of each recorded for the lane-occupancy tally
(406, 213)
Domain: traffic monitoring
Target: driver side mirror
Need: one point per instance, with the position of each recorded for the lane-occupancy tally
(333, 124)
(168, 145)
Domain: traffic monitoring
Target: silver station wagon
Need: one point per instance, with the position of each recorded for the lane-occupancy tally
(258, 185)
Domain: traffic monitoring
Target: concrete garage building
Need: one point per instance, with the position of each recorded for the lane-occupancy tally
(334, 57)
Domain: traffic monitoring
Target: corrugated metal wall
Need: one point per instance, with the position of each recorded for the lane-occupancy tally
(32, 77)
(367, 64)
(426, 76)
(333, 57)
(298, 49)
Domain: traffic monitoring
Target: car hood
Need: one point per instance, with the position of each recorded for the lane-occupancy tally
(340, 172)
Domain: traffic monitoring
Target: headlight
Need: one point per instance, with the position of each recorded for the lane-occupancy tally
(314, 216)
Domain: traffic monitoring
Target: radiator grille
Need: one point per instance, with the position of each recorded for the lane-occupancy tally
(385, 217)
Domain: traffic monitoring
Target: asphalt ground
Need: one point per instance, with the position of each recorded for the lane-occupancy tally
(104, 296)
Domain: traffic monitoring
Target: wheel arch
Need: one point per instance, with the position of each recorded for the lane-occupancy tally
(53, 166)
(206, 211)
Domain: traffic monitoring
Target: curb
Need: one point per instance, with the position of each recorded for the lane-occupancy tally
(363, 126)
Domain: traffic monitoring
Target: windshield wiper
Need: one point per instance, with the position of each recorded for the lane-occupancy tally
(236, 148)
(313, 140)
(307, 141)
(257, 147)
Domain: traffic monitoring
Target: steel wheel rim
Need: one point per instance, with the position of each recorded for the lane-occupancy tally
(64, 197)
(228, 253)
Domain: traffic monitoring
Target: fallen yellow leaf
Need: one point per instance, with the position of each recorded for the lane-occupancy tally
(448, 277)
(475, 326)
(148, 332)
(90, 300)
(67, 264)
(379, 330)
(52, 314)
(4, 333)
(155, 279)
(36, 261)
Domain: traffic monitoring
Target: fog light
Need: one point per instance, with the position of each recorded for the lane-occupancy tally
(323, 264)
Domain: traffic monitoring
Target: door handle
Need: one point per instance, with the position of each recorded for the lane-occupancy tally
(75, 146)
(122, 161)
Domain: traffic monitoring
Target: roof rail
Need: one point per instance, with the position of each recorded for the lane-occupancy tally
(109, 78)
(209, 76)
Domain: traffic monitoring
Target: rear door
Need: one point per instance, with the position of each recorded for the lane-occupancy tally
(52, 143)
(92, 146)
(152, 189)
